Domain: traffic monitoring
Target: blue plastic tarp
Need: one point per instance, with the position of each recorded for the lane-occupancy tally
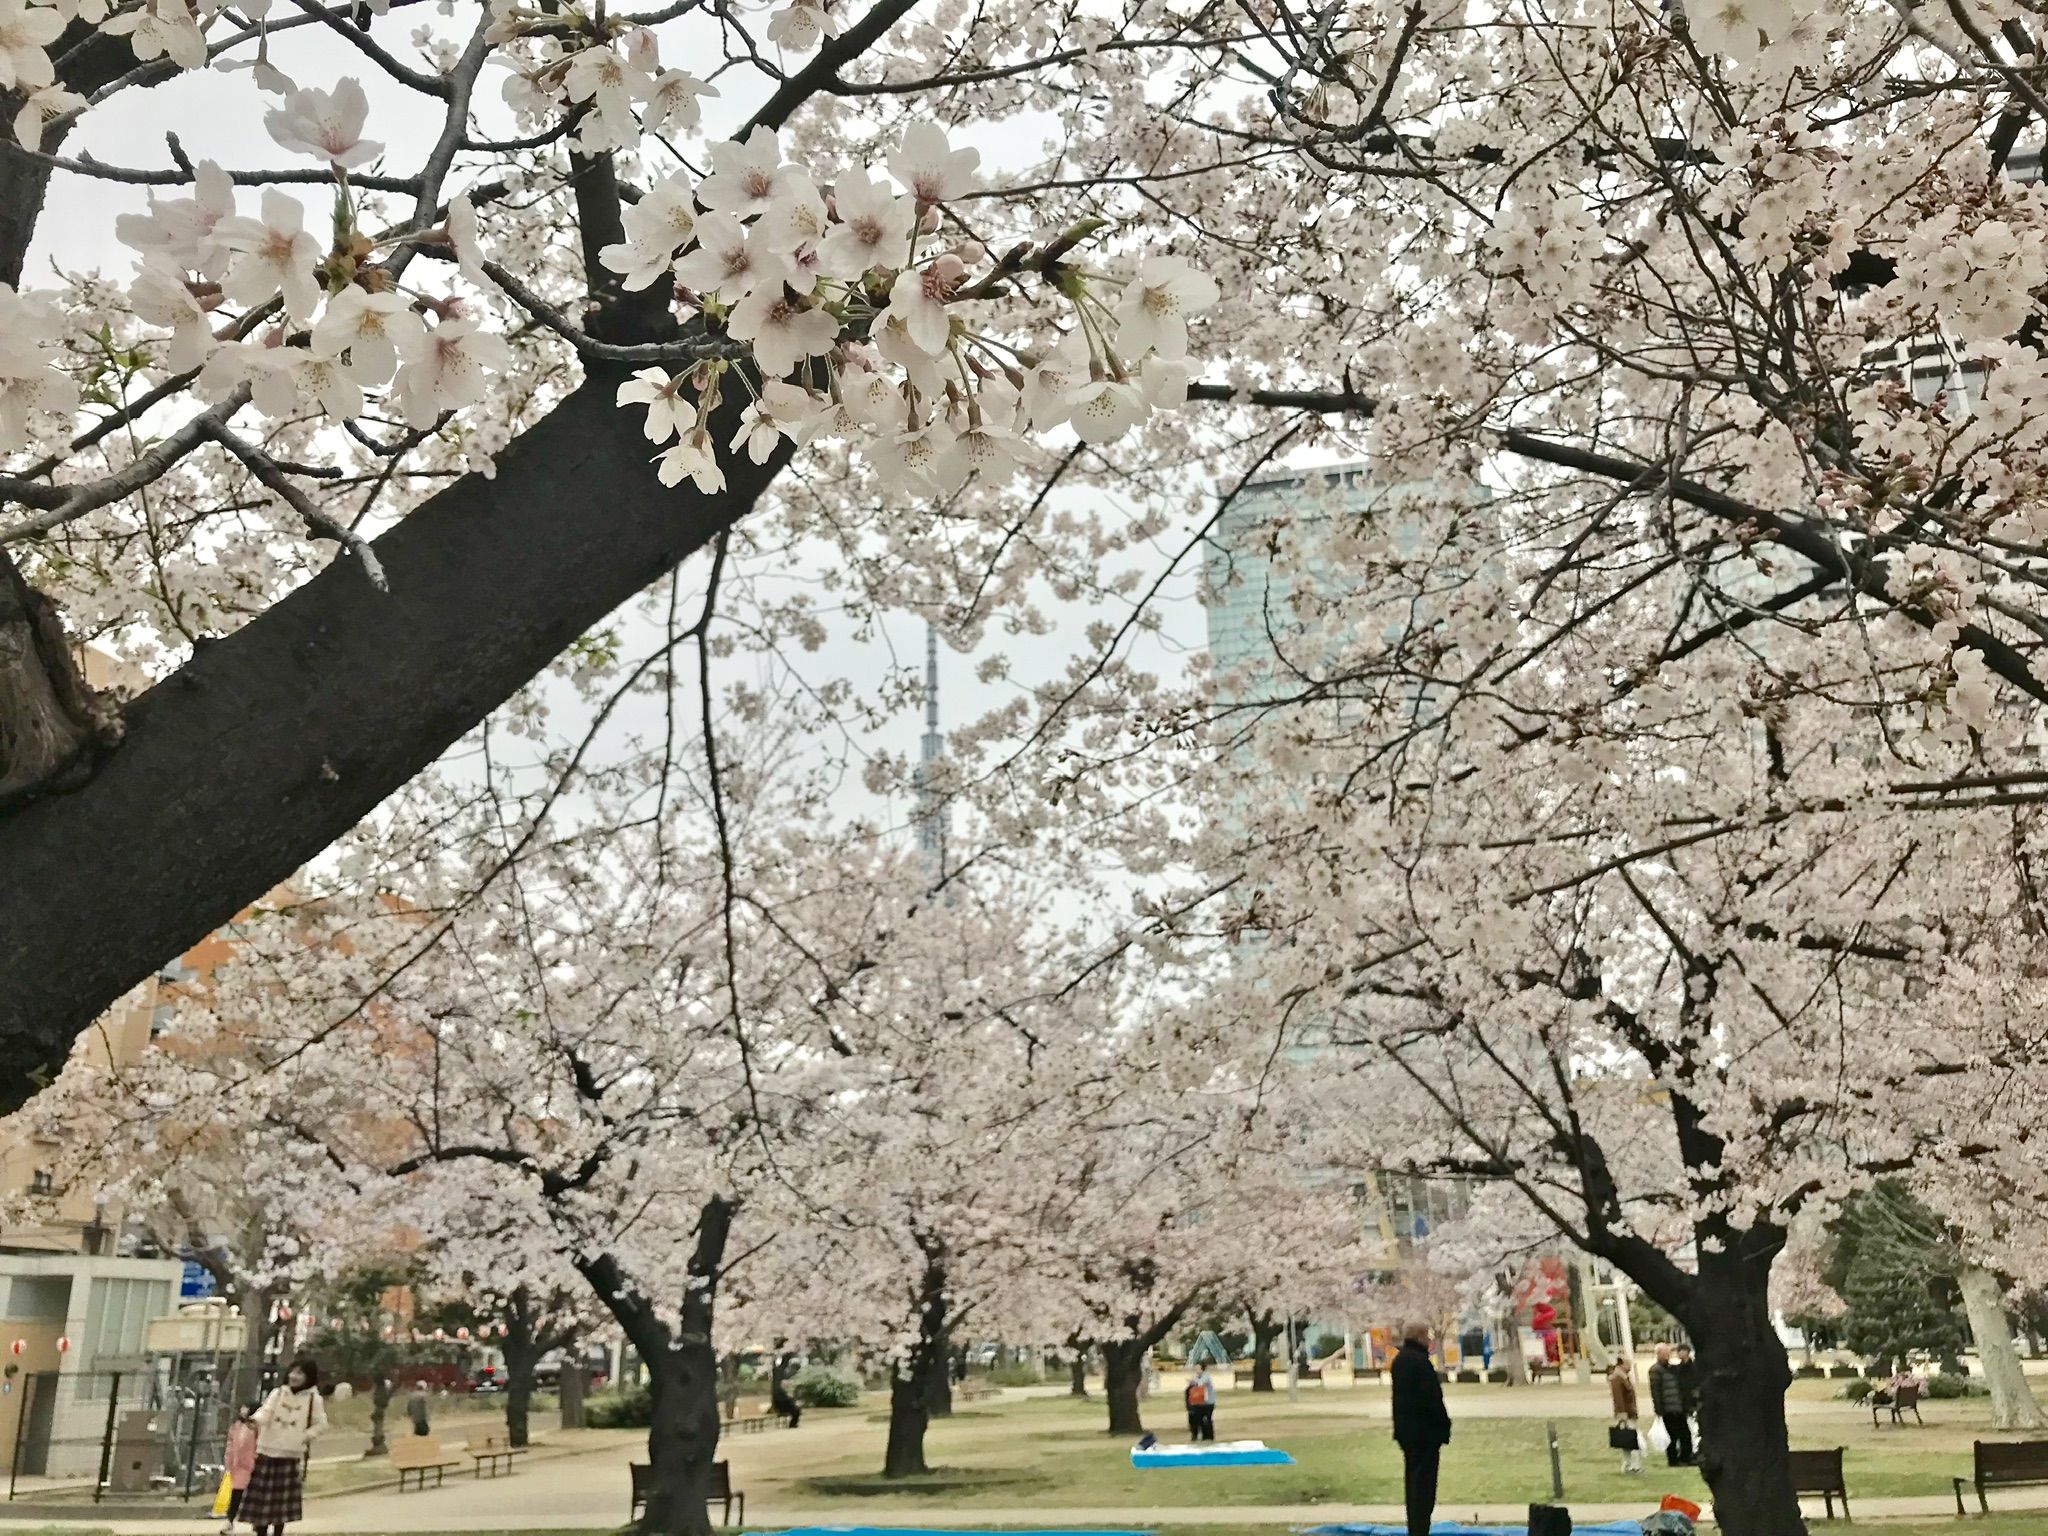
(891, 1530)
(1453, 1528)
(1222, 1456)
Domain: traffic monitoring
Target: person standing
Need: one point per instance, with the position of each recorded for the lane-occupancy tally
(1422, 1425)
(287, 1424)
(1689, 1394)
(1667, 1401)
(1621, 1392)
(238, 1460)
(1201, 1401)
(417, 1407)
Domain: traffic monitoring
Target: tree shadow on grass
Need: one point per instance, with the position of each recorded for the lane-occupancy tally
(940, 1480)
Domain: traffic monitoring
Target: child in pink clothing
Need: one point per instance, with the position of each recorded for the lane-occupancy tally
(240, 1461)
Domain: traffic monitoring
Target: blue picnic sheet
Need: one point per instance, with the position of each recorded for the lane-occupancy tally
(1453, 1528)
(1242, 1453)
(893, 1530)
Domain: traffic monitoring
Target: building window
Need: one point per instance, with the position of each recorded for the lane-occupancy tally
(42, 1182)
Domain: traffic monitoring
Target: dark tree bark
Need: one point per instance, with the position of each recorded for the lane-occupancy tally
(1123, 1373)
(911, 1383)
(682, 1374)
(574, 1381)
(938, 1376)
(1077, 1384)
(531, 1330)
(1266, 1327)
(1744, 1448)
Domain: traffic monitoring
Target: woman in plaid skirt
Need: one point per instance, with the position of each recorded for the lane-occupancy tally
(290, 1419)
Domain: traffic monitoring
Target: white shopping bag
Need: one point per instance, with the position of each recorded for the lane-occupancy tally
(1660, 1438)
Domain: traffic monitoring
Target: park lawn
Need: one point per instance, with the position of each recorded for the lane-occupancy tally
(1055, 1449)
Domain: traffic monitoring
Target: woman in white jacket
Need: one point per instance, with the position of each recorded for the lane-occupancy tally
(287, 1424)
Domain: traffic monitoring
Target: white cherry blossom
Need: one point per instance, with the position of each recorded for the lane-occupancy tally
(182, 230)
(26, 32)
(39, 110)
(695, 458)
(161, 29)
(728, 261)
(657, 226)
(328, 125)
(1104, 409)
(599, 75)
(929, 167)
(873, 227)
(446, 367)
(802, 24)
(670, 411)
(781, 331)
(669, 102)
(745, 177)
(369, 328)
(161, 297)
(1153, 314)
(274, 253)
(284, 380)
(919, 301)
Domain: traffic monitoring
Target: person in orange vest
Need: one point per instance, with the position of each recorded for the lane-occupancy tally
(1201, 1400)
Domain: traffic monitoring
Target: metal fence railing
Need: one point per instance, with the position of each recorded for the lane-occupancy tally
(117, 1435)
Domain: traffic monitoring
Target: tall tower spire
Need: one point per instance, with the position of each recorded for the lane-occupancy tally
(934, 816)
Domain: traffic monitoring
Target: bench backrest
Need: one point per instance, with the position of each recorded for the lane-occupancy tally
(1908, 1394)
(409, 1451)
(2015, 1459)
(720, 1486)
(1817, 1471)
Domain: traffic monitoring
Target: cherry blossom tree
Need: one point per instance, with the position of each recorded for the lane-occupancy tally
(282, 438)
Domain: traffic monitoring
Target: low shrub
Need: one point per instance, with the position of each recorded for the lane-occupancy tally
(630, 1409)
(1947, 1386)
(825, 1386)
(1857, 1391)
(1014, 1374)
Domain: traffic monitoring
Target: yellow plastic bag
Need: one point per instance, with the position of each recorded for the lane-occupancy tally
(223, 1494)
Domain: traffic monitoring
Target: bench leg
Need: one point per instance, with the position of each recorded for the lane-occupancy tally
(1960, 1511)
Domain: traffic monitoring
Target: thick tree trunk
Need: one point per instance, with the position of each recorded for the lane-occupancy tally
(1513, 1353)
(2012, 1400)
(1744, 1452)
(909, 1416)
(1265, 1329)
(271, 742)
(915, 1382)
(574, 1380)
(1123, 1372)
(380, 1409)
(520, 1359)
(682, 1375)
(938, 1376)
(1077, 1374)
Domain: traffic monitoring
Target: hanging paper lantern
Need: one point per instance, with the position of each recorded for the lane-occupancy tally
(63, 1345)
(503, 1331)
(17, 1346)
(462, 1334)
(386, 1334)
(284, 1312)
(441, 1334)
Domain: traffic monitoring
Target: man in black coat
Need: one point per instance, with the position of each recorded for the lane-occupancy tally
(1422, 1426)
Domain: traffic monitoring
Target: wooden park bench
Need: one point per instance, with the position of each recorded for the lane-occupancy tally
(1538, 1369)
(975, 1391)
(1367, 1373)
(495, 1450)
(2004, 1464)
(1902, 1402)
(720, 1491)
(1820, 1473)
(416, 1455)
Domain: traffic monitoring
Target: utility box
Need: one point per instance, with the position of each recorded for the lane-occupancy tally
(138, 1459)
